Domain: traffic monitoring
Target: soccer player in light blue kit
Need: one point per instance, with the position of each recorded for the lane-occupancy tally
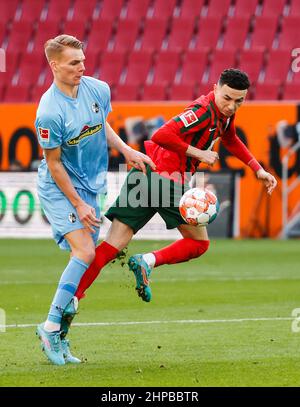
(74, 134)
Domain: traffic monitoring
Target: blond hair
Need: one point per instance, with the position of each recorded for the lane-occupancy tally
(55, 46)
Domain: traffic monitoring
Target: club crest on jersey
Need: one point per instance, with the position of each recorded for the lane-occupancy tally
(188, 118)
(95, 107)
(44, 134)
(72, 217)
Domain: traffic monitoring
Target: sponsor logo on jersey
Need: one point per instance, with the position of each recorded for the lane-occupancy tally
(188, 118)
(44, 134)
(87, 131)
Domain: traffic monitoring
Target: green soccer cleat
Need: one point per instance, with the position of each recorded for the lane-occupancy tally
(51, 345)
(142, 273)
(68, 315)
(69, 358)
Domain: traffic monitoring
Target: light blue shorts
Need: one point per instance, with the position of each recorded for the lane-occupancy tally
(62, 215)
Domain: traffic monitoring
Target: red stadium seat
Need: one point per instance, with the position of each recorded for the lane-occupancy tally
(181, 34)
(11, 61)
(2, 32)
(288, 38)
(296, 74)
(292, 91)
(267, 91)
(84, 9)
(100, 34)
(126, 92)
(273, 8)
(251, 61)
(58, 10)
(111, 67)
(45, 30)
(137, 9)
(218, 8)
(164, 8)
(111, 10)
(204, 89)
(236, 32)
(264, 32)
(154, 33)
(139, 63)
(126, 35)
(2, 90)
(191, 8)
(208, 32)
(166, 67)
(15, 94)
(77, 28)
(91, 62)
(194, 66)
(30, 68)
(48, 77)
(221, 60)
(245, 8)
(295, 8)
(31, 10)
(183, 91)
(279, 63)
(154, 92)
(37, 92)
(8, 10)
(20, 35)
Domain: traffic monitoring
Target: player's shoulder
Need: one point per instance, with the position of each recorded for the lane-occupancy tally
(99, 89)
(48, 105)
(96, 84)
(201, 105)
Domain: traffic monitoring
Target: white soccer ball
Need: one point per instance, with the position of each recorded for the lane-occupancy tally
(199, 206)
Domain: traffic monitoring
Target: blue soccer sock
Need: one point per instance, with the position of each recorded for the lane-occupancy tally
(67, 287)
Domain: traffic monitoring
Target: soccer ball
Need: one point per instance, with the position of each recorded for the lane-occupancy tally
(199, 206)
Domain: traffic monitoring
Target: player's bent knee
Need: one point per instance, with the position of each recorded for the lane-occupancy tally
(86, 254)
(200, 247)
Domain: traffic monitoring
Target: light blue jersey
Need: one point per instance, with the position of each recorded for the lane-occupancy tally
(77, 126)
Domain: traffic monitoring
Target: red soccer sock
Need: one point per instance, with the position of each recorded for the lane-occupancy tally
(104, 254)
(180, 251)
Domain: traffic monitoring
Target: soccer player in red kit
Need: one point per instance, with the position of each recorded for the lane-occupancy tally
(177, 149)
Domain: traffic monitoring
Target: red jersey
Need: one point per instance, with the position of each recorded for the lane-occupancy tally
(199, 125)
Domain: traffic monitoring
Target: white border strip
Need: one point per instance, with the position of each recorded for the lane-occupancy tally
(180, 321)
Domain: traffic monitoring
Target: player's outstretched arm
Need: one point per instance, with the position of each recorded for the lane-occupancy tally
(268, 179)
(133, 157)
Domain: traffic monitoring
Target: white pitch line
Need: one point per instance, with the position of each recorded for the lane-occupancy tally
(180, 321)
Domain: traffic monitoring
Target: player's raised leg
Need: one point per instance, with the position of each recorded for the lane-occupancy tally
(194, 244)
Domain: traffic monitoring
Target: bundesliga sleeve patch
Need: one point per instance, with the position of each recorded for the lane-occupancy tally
(188, 118)
(44, 134)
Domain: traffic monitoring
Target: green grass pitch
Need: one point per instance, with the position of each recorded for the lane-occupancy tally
(221, 320)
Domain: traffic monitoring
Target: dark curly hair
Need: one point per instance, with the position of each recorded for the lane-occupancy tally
(234, 78)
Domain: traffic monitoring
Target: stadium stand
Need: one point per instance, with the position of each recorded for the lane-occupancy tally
(154, 34)
(252, 60)
(236, 33)
(267, 90)
(84, 9)
(32, 10)
(181, 34)
(189, 7)
(245, 8)
(291, 91)
(154, 92)
(139, 63)
(137, 9)
(155, 43)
